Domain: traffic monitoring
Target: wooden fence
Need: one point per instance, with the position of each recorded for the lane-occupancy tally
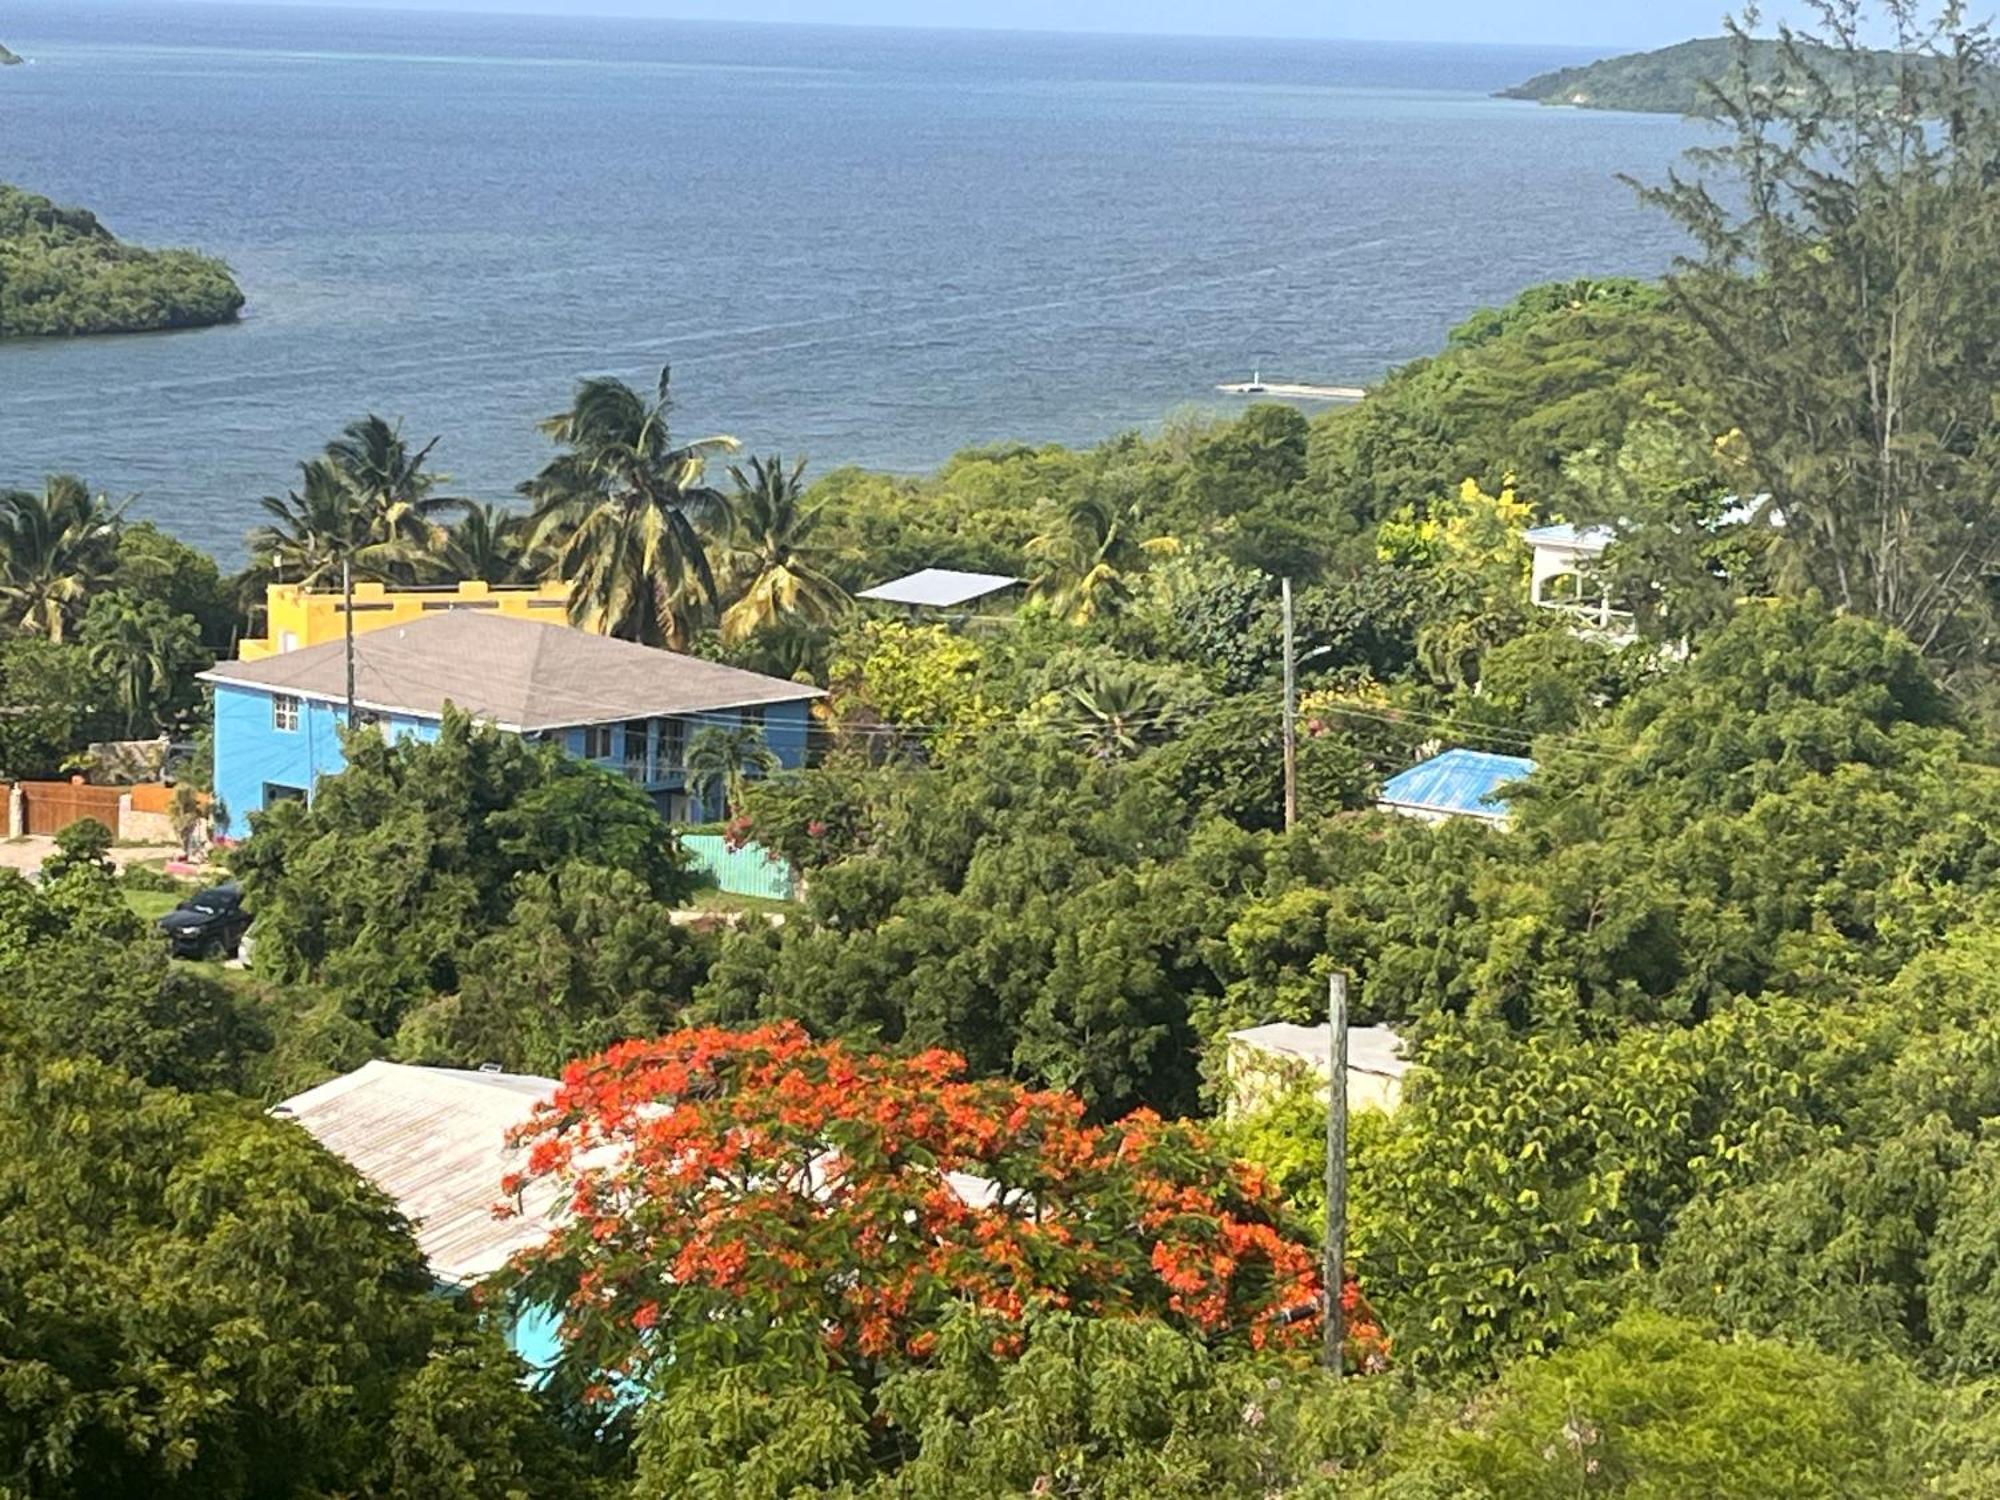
(51, 806)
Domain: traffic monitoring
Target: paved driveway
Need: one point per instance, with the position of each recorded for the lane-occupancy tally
(26, 855)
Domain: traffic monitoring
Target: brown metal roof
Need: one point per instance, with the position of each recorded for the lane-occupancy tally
(435, 1140)
(520, 674)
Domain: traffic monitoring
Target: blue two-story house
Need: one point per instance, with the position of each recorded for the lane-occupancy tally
(629, 708)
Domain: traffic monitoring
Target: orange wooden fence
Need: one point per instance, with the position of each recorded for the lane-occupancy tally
(52, 806)
(151, 797)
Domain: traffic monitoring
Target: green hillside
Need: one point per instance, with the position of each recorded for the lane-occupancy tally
(62, 272)
(7, 58)
(1670, 81)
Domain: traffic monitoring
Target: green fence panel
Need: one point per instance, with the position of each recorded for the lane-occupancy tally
(749, 871)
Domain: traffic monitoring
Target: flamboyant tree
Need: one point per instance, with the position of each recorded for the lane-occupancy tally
(728, 1189)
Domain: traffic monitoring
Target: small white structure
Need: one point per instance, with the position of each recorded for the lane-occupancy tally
(435, 1141)
(939, 588)
(1566, 552)
(1263, 1060)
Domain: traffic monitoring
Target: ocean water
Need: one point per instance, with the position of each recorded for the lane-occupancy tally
(864, 246)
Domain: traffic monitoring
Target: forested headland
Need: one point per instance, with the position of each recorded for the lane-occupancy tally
(62, 272)
(1693, 1189)
(1683, 79)
(8, 59)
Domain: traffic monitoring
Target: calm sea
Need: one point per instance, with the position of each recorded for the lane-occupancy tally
(865, 246)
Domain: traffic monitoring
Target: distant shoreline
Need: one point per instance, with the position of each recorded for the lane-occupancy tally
(1676, 80)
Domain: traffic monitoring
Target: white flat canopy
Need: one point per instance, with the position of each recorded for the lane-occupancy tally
(940, 588)
(1370, 1049)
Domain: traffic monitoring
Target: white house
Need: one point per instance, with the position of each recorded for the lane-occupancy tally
(1562, 557)
(1262, 1060)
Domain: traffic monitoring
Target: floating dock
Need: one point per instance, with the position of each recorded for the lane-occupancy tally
(1286, 390)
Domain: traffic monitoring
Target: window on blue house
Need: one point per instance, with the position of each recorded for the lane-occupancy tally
(597, 742)
(284, 713)
(753, 716)
(673, 745)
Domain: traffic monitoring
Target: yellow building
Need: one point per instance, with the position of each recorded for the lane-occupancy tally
(297, 617)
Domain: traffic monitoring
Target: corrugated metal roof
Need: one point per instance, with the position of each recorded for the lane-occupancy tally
(940, 588)
(520, 674)
(435, 1140)
(1590, 539)
(1458, 783)
(1370, 1049)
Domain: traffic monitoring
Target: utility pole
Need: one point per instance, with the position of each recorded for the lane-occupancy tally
(1291, 717)
(347, 610)
(1333, 1272)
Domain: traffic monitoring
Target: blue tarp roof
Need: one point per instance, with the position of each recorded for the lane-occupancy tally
(1458, 783)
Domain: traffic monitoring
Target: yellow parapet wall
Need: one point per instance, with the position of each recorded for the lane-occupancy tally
(299, 617)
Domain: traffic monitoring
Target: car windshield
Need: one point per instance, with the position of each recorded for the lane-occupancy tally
(211, 902)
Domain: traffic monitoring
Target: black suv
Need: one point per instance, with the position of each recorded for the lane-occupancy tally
(209, 924)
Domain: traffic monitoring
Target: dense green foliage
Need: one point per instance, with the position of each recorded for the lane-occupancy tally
(1691, 1189)
(473, 899)
(195, 1300)
(109, 623)
(62, 272)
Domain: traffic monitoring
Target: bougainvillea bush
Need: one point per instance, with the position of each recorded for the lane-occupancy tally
(735, 1190)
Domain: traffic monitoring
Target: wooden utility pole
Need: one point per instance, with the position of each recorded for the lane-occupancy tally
(1333, 1272)
(347, 613)
(1291, 717)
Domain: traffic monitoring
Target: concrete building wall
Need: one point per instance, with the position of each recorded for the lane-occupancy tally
(297, 617)
(258, 760)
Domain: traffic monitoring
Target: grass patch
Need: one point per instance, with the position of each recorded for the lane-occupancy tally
(152, 905)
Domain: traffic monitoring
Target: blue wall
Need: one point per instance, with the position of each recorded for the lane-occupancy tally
(251, 754)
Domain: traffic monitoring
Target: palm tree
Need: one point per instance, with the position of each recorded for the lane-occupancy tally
(1114, 713)
(486, 543)
(310, 529)
(1087, 558)
(364, 504)
(621, 515)
(392, 489)
(143, 651)
(56, 547)
(720, 759)
(774, 571)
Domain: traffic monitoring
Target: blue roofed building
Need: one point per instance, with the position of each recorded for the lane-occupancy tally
(630, 708)
(1456, 784)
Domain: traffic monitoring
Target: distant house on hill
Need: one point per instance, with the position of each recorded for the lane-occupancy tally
(1560, 563)
(1262, 1060)
(629, 708)
(1456, 784)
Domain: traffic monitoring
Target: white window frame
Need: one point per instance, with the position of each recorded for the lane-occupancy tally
(285, 713)
(597, 742)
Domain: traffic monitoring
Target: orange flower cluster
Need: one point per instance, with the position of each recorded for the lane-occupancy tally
(715, 1176)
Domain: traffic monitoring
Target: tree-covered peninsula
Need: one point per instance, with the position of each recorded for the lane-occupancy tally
(7, 58)
(62, 272)
(1679, 80)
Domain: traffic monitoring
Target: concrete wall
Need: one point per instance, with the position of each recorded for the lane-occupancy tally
(299, 617)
